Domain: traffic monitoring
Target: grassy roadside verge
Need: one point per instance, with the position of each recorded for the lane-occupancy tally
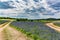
(28, 34)
(3, 24)
(57, 24)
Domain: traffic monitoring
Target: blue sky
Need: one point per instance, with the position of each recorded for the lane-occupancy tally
(31, 9)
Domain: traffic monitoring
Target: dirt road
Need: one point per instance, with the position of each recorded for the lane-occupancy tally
(8, 33)
(51, 25)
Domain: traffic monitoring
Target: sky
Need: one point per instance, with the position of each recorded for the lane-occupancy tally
(31, 9)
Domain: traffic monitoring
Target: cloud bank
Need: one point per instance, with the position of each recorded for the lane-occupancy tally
(31, 9)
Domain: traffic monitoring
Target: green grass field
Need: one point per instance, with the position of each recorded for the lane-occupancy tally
(57, 24)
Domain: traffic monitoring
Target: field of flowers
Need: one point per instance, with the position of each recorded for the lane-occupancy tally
(36, 30)
(3, 21)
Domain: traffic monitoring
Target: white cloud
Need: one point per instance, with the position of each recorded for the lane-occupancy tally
(21, 6)
(3, 0)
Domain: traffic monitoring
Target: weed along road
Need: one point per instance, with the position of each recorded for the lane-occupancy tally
(3, 26)
(9, 33)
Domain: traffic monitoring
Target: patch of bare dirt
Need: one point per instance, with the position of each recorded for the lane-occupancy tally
(15, 35)
(51, 25)
(1, 36)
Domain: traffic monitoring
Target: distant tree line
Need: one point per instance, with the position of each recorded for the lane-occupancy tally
(6, 18)
(23, 19)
